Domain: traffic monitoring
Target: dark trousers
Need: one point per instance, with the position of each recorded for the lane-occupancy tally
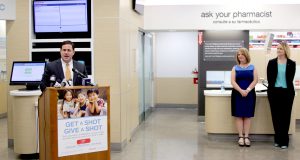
(281, 102)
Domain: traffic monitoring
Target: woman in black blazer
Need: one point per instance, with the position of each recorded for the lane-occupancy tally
(281, 93)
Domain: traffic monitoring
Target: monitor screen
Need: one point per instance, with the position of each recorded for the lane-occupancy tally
(24, 73)
(61, 17)
(138, 6)
(214, 79)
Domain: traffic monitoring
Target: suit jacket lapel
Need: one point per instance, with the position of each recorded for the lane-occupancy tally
(275, 69)
(60, 69)
(287, 70)
(74, 74)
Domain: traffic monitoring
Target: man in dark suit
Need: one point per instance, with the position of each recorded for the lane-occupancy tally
(62, 68)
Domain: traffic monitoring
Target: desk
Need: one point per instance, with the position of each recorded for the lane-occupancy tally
(25, 121)
(218, 117)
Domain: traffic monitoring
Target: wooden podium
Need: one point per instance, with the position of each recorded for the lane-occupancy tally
(48, 125)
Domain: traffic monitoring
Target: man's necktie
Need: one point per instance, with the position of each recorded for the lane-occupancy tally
(68, 72)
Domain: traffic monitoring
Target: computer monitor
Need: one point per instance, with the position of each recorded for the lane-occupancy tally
(214, 79)
(27, 73)
(62, 18)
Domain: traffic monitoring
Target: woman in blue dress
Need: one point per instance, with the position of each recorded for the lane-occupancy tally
(243, 80)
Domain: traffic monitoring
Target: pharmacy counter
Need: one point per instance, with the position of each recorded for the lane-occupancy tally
(218, 117)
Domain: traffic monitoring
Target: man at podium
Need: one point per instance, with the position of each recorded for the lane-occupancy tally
(60, 70)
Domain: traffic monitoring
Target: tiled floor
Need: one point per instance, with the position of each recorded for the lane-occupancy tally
(5, 153)
(175, 134)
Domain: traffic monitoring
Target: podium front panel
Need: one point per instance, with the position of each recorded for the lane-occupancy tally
(74, 123)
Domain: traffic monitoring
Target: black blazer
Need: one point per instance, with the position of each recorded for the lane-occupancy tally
(55, 68)
(272, 71)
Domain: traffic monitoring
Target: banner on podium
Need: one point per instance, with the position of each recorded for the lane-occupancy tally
(82, 121)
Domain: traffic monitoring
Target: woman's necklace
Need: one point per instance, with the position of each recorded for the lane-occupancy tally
(244, 66)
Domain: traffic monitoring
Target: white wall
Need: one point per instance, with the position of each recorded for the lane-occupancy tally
(176, 53)
(194, 17)
(2, 28)
(2, 45)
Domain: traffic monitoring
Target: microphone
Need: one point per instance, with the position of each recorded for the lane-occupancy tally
(79, 73)
(87, 82)
(63, 84)
(57, 83)
(69, 82)
(52, 80)
(91, 84)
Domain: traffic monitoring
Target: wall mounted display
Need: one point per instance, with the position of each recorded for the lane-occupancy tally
(138, 6)
(62, 19)
(54, 21)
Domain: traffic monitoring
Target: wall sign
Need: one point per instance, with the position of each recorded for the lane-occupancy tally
(217, 55)
(222, 17)
(7, 9)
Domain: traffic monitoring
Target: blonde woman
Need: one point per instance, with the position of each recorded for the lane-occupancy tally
(243, 97)
(280, 73)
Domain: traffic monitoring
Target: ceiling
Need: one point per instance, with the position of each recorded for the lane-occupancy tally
(227, 2)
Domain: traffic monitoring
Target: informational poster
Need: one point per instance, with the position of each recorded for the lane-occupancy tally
(221, 50)
(217, 52)
(82, 121)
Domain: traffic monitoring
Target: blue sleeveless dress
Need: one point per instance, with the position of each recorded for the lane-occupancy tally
(243, 106)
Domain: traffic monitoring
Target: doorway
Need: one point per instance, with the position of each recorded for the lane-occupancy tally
(145, 63)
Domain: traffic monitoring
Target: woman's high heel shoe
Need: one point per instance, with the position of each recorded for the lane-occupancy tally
(247, 142)
(241, 142)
